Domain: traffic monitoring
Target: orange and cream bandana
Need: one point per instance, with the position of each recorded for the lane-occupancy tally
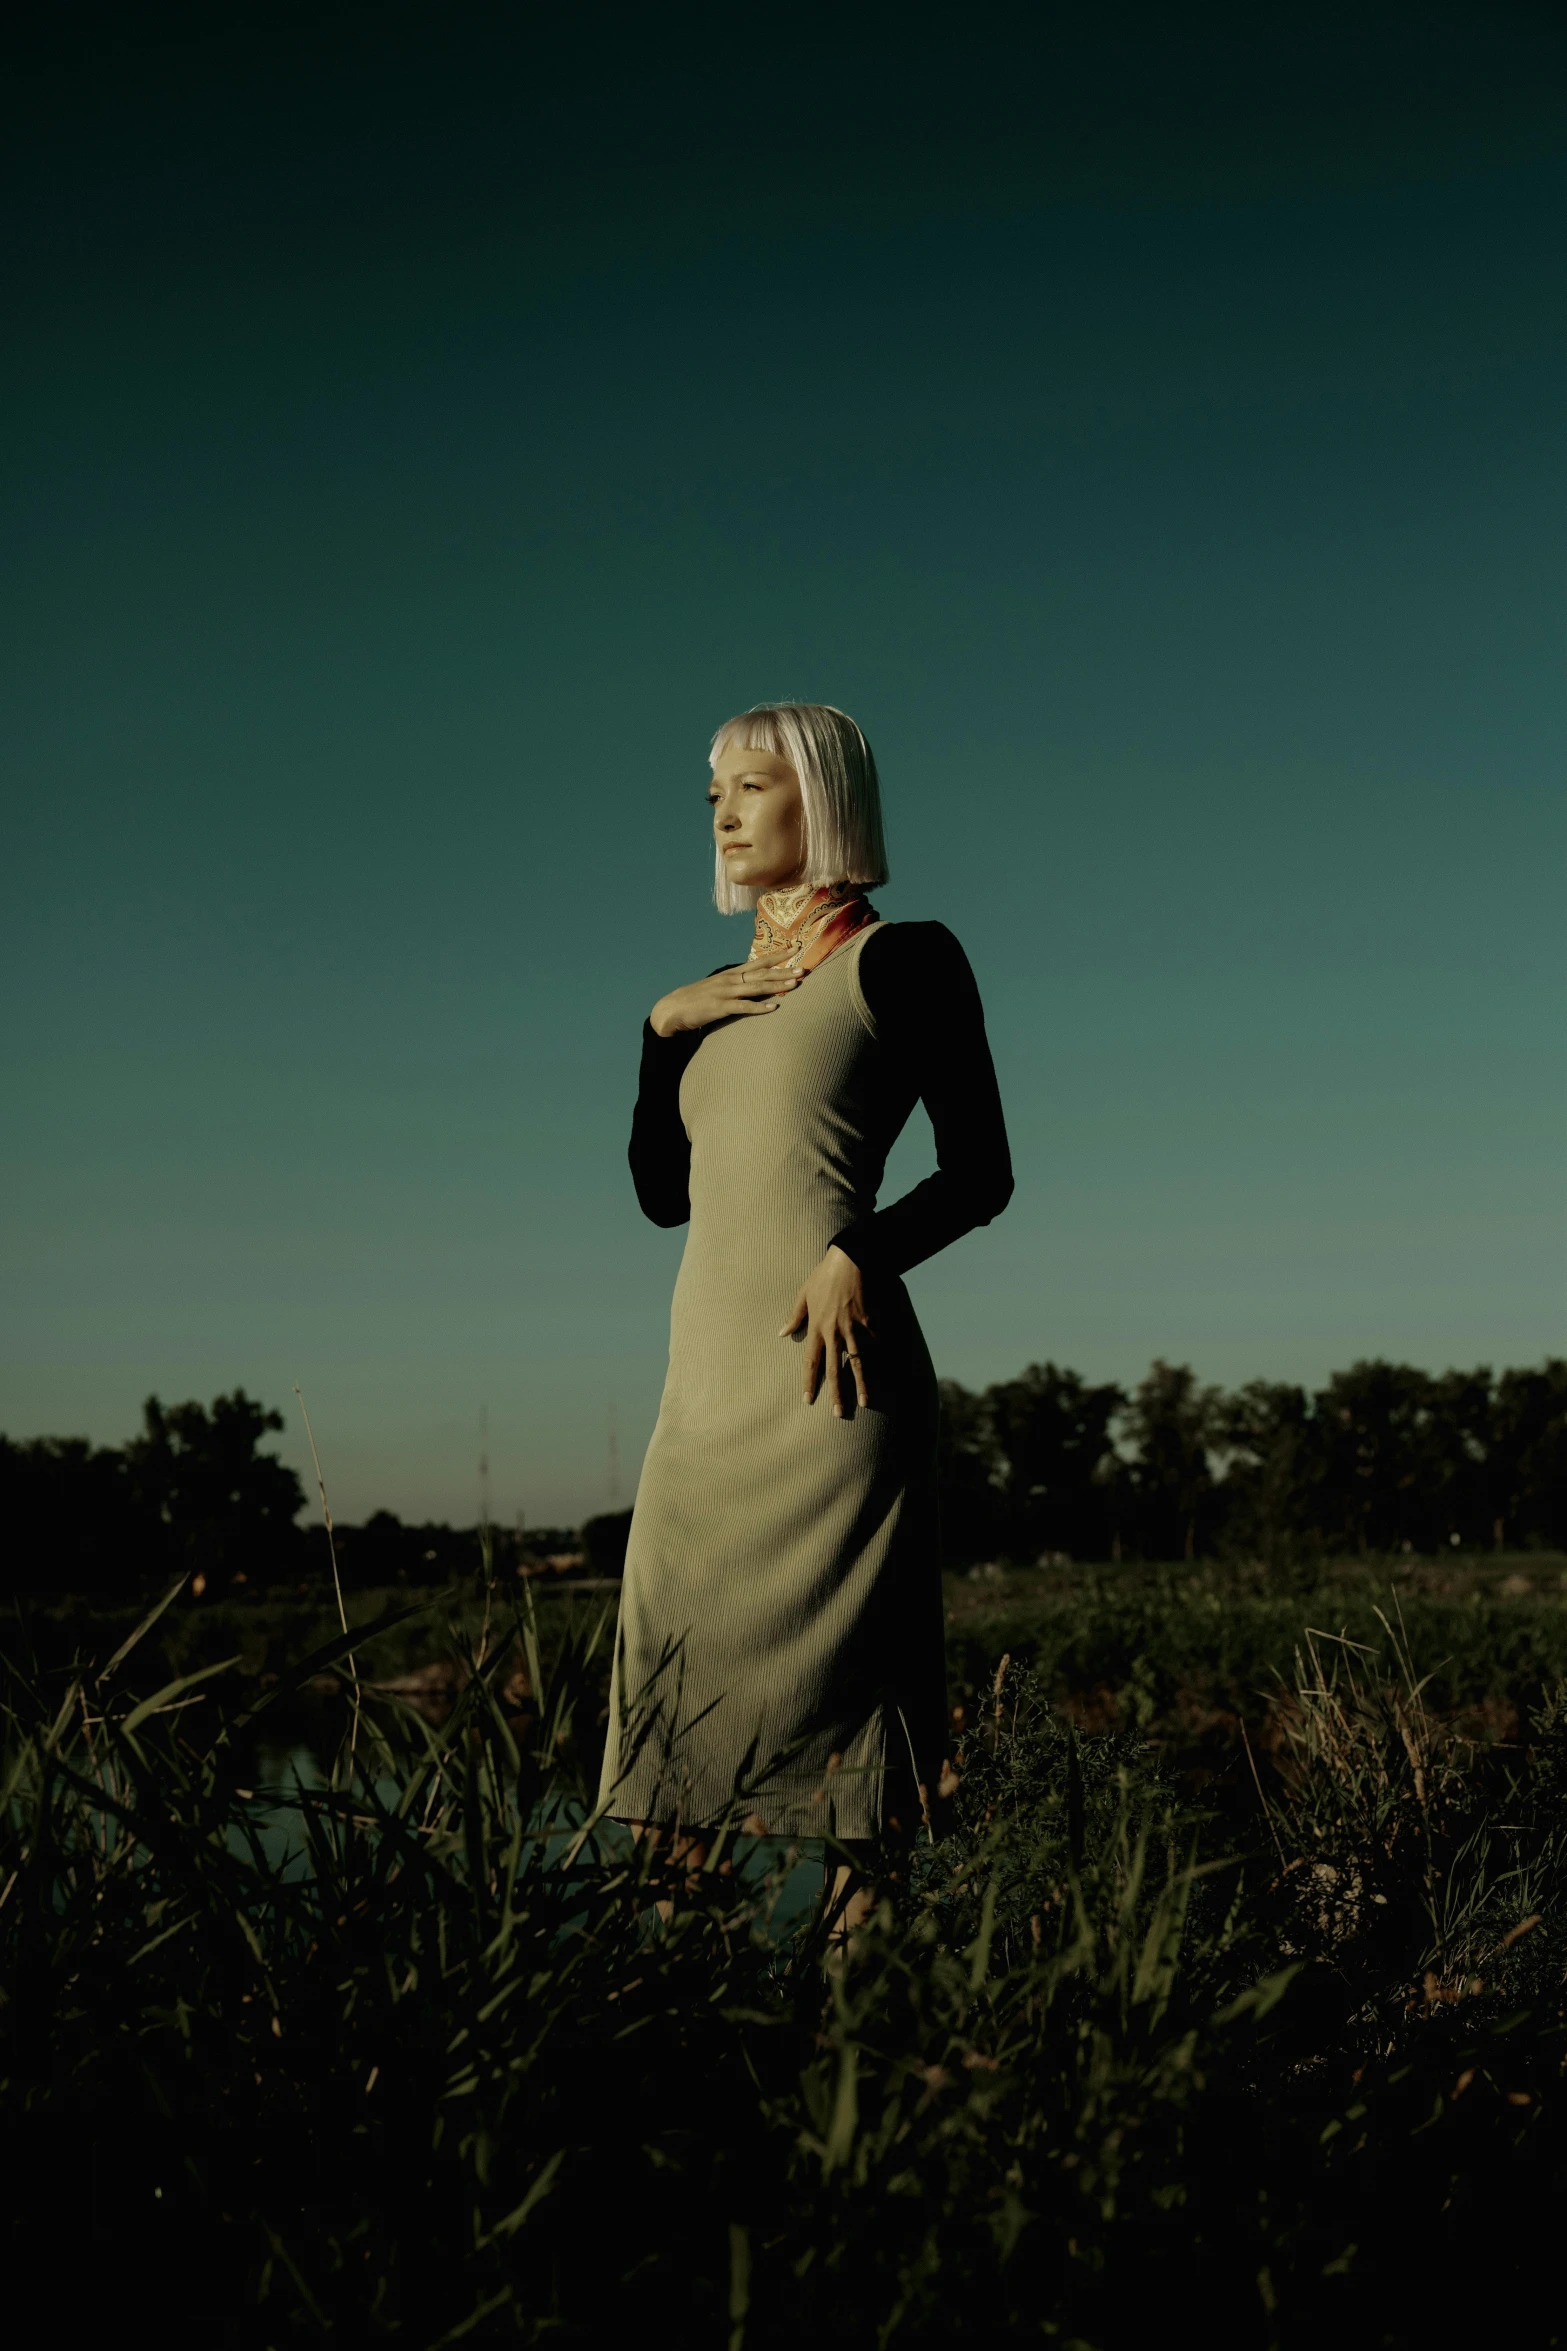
(810, 922)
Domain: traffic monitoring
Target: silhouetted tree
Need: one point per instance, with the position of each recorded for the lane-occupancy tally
(1049, 1438)
(1373, 1422)
(968, 1472)
(384, 1551)
(1268, 1496)
(1171, 1423)
(1453, 1482)
(1387, 1456)
(1528, 1457)
(71, 1520)
(604, 1542)
(225, 1507)
(1383, 1456)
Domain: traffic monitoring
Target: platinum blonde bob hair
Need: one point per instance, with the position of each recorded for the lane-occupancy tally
(839, 787)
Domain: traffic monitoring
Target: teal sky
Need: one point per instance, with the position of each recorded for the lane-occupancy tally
(423, 431)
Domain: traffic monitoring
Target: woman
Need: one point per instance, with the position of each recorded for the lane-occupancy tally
(780, 1649)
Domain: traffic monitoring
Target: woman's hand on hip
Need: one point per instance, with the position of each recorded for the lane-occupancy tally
(829, 1315)
(742, 988)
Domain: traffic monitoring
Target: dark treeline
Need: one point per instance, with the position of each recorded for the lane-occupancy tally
(195, 1493)
(1384, 1458)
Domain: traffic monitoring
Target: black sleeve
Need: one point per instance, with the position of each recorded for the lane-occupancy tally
(660, 1151)
(923, 998)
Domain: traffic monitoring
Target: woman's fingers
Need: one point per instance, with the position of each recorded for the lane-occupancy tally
(752, 991)
(754, 973)
(829, 1353)
(744, 989)
(812, 1352)
(828, 1314)
(833, 1369)
(739, 988)
(853, 1340)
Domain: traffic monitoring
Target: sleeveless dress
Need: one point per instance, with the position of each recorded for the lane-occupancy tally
(782, 1603)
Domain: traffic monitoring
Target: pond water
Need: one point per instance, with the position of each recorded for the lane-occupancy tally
(281, 1828)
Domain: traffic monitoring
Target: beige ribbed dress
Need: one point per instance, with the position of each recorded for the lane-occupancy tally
(782, 1597)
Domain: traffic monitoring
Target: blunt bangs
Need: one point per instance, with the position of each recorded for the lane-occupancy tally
(839, 789)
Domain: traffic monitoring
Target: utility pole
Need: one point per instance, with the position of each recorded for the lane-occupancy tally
(484, 1467)
(612, 1481)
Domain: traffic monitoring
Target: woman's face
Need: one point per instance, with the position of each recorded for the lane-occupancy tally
(758, 818)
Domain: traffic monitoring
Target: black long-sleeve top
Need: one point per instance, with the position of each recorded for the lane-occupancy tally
(921, 993)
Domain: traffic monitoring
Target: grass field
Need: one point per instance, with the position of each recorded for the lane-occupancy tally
(1229, 1999)
(1185, 1654)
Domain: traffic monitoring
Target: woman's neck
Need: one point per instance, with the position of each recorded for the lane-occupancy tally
(786, 905)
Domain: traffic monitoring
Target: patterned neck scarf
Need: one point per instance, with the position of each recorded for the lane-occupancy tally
(810, 922)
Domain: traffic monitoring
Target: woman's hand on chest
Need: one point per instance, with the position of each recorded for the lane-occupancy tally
(741, 989)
